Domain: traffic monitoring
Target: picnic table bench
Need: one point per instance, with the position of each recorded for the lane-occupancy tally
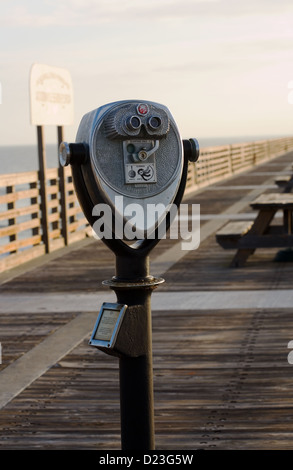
(285, 182)
(247, 236)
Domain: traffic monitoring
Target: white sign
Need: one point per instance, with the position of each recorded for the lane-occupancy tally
(107, 324)
(51, 96)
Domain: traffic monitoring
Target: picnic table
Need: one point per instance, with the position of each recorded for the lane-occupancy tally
(262, 232)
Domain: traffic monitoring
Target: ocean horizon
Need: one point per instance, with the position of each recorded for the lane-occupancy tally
(21, 158)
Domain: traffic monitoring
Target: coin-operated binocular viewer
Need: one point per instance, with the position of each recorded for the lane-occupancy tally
(130, 152)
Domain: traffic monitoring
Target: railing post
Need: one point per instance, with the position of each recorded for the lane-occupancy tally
(10, 206)
(43, 188)
(243, 154)
(254, 154)
(230, 164)
(34, 215)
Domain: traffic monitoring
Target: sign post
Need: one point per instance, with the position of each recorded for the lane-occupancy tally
(51, 103)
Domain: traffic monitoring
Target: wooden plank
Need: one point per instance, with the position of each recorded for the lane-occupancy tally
(73, 211)
(17, 196)
(273, 201)
(54, 217)
(17, 244)
(238, 228)
(52, 190)
(22, 257)
(13, 213)
(229, 235)
(52, 173)
(77, 236)
(53, 203)
(55, 233)
(56, 241)
(71, 198)
(13, 229)
(15, 179)
(69, 187)
(75, 225)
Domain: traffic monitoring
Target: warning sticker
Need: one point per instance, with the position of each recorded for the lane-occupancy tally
(140, 173)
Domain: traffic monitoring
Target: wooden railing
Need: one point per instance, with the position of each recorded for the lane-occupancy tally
(23, 234)
(216, 163)
(31, 227)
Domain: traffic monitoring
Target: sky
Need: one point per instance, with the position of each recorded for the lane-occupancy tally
(222, 67)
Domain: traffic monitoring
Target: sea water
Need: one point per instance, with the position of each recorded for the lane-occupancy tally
(20, 158)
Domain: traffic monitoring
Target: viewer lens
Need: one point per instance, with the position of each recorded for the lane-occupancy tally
(133, 123)
(155, 122)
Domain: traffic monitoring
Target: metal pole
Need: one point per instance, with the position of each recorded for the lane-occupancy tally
(43, 187)
(63, 192)
(134, 287)
(137, 403)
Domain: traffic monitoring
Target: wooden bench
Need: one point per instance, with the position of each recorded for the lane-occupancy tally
(229, 235)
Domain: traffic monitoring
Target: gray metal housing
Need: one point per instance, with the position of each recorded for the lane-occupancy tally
(105, 132)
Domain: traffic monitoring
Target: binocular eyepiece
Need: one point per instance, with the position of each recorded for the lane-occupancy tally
(137, 120)
(134, 123)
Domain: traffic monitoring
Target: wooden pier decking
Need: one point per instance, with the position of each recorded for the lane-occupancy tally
(222, 379)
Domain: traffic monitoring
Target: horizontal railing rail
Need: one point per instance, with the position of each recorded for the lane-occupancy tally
(24, 234)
